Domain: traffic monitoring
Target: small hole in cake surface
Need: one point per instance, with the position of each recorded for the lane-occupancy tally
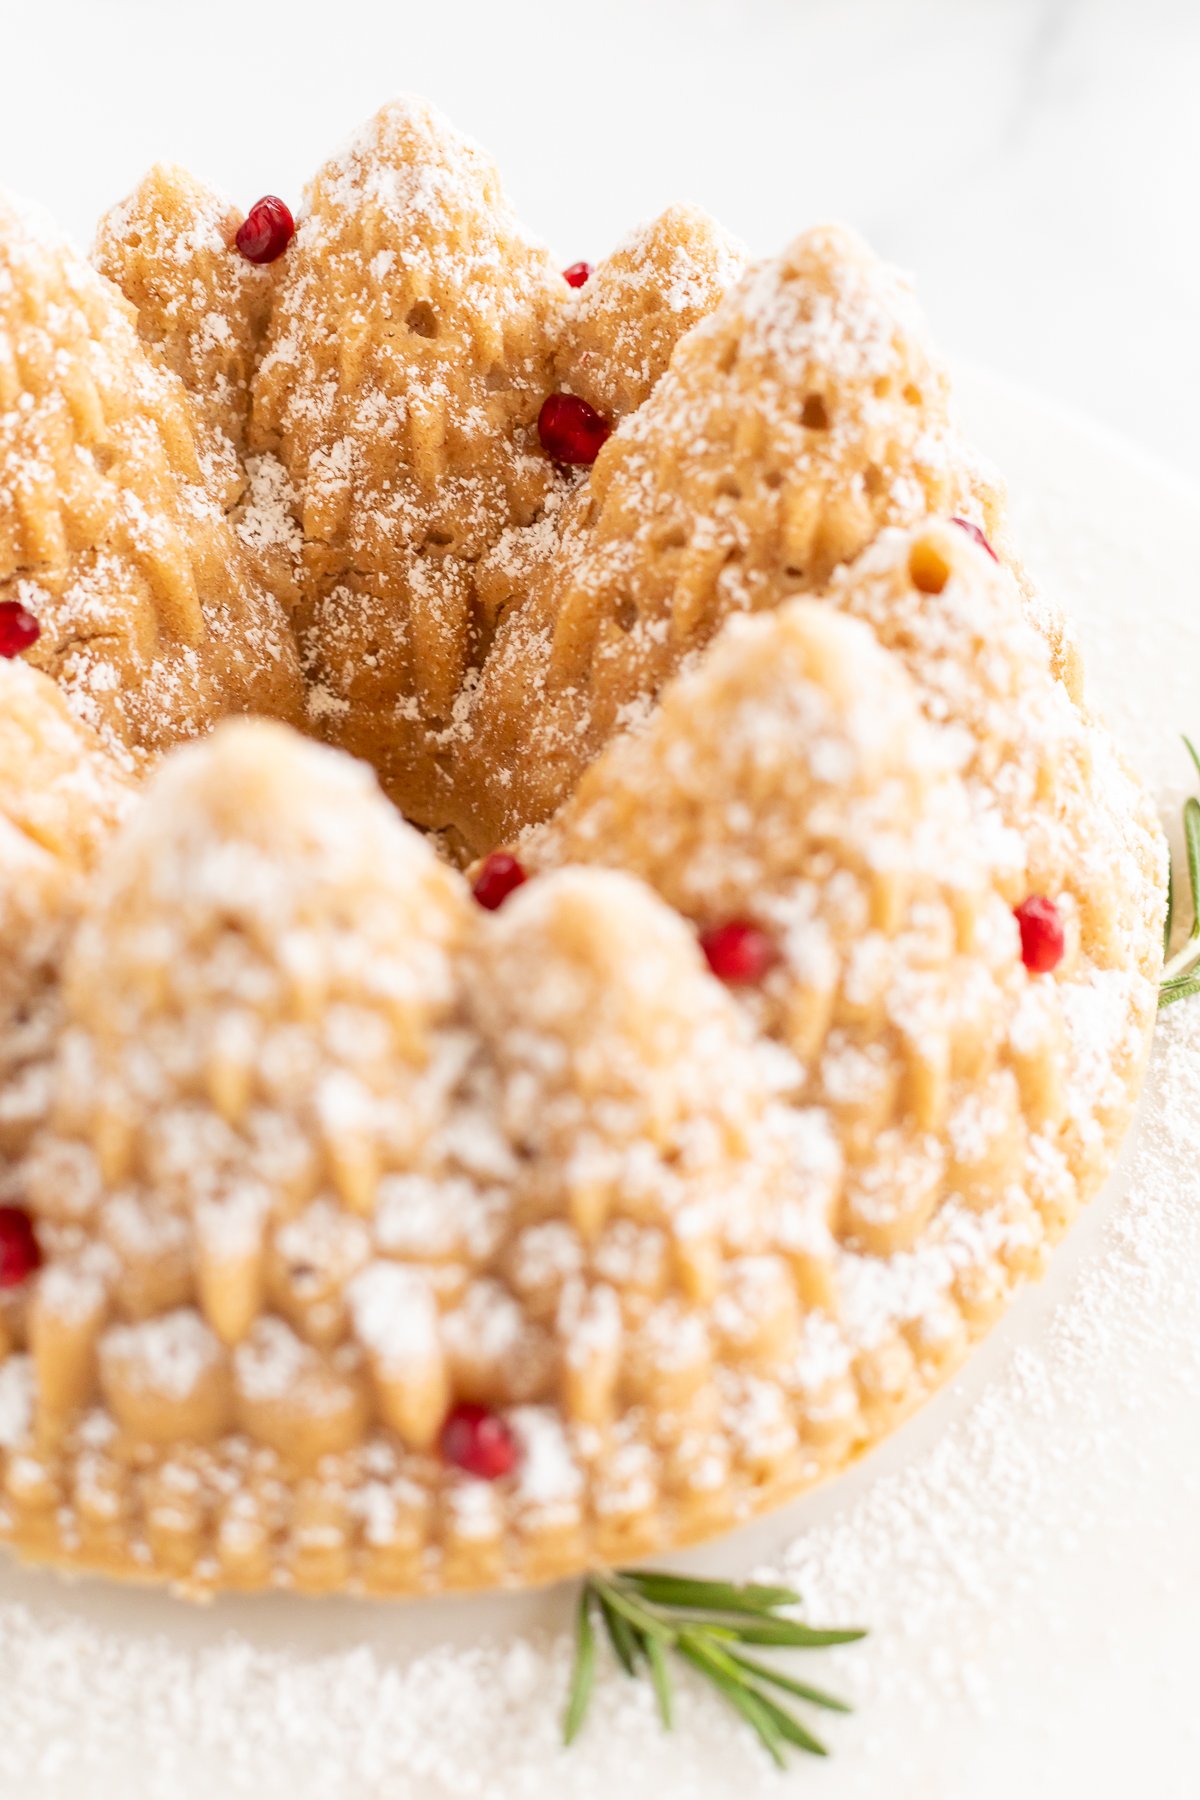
(438, 540)
(882, 386)
(422, 320)
(814, 415)
(873, 480)
(626, 614)
(913, 394)
(729, 489)
(773, 479)
(928, 569)
(673, 538)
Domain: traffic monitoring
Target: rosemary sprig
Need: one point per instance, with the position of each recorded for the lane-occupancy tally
(649, 1613)
(584, 1673)
(1181, 975)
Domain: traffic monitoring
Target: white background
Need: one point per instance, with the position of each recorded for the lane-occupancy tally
(1037, 162)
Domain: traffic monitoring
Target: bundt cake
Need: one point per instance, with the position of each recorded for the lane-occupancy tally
(673, 951)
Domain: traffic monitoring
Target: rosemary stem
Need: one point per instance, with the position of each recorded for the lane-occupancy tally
(1183, 960)
(639, 1615)
(648, 1615)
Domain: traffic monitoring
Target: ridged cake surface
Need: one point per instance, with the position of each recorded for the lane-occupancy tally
(704, 1157)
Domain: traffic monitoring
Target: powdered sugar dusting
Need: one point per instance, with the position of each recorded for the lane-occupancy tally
(948, 1559)
(580, 1107)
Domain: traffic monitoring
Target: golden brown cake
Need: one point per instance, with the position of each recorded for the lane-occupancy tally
(114, 533)
(199, 309)
(366, 1225)
(793, 424)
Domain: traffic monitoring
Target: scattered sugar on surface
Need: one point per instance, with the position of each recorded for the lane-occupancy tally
(359, 1720)
(943, 1557)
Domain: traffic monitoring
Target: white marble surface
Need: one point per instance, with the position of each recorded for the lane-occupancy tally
(1035, 161)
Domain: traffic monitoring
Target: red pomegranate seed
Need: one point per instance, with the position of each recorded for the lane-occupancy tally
(499, 876)
(1042, 937)
(973, 531)
(571, 431)
(266, 231)
(476, 1439)
(19, 630)
(577, 274)
(738, 952)
(20, 1253)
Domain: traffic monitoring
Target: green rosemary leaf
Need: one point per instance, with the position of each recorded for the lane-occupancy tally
(583, 1673)
(1191, 834)
(787, 1633)
(789, 1727)
(709, 1596)
(1169, 925)
(724, 1666)
(660, 1675)
(751, 1705)
(648, 1612)
(698, 1640)
(640, 1617)
(755, 1710)
(1181, 989)
(1180, 975)
(803, 1690)
(621, 1635)
(721, 1629)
